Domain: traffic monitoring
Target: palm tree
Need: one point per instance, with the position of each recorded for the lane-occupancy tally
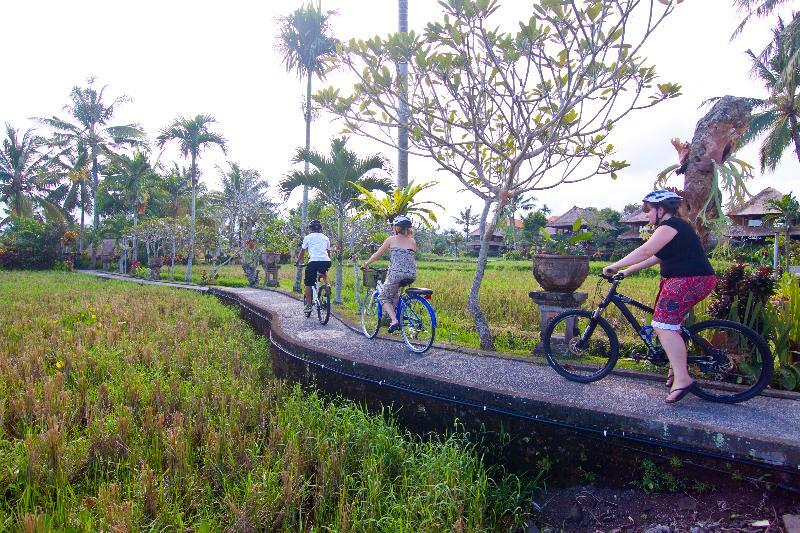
(339, 178)
(790, 33)
(192, 135)
(517, 203)
(74, 165)
(26, 179)
(466, 219)
(244, 199)
(399, 202)
(91, 130)
(777, 115)
(787, 215)
(134, 178)
(178, 186)
(305, 46)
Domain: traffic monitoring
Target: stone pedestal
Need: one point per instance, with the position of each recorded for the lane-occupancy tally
(271, 275)
(552, 303)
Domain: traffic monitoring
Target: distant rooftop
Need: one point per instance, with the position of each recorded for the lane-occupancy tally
(570, 217)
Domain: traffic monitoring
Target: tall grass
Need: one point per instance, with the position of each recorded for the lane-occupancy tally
(143, 408)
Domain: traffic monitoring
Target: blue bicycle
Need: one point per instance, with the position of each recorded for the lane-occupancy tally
(414, 312)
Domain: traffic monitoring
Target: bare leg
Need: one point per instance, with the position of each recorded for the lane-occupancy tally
(675, 347)
(307, 298)
(389, 309)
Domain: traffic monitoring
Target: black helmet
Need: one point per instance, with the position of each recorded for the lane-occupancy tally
(315, 225)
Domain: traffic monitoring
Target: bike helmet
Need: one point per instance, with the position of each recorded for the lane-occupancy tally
(663, 197)
(315, 225)
(402, 221)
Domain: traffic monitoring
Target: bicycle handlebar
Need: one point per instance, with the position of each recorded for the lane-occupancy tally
(374, 269)
(619, 276)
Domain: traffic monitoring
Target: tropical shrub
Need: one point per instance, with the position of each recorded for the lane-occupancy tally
(740, 289)
(28, 243)
(784, 321)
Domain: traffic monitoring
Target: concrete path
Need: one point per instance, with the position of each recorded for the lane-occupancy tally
(764, 430)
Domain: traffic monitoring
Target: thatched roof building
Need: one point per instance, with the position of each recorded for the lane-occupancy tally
(590, 219)
(755, 208)
(635, 221)
(748, 218)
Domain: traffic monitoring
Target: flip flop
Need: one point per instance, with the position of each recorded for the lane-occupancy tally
(670, 378)
(683, 392)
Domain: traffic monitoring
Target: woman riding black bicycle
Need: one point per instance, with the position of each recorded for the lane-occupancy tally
(687, 278)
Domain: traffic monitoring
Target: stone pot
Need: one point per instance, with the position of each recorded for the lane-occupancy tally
(560, 273)
(270, 258)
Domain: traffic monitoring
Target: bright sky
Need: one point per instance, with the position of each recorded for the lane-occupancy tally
(186, 57)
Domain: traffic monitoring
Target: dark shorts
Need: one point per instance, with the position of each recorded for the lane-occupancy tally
(314, 269)
(677, 296)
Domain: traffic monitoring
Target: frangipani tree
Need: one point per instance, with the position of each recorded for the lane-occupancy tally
(505, 112)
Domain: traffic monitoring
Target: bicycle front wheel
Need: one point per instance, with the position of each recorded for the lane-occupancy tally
(729, 361)
(324, 304)
(371, 315)
(579, 347)
(417, 324)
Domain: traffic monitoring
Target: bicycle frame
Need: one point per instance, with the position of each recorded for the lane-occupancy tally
(621, 302)
(400, 310)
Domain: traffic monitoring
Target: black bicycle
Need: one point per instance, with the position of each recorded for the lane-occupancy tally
(320, 298)
(729, 361)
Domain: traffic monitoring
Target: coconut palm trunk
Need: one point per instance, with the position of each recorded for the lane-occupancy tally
(402, 134)
(95, 183)
(188, 276)
(337, 298)
(304, 208)
(484, 331)
(795, 134)
(80, 238)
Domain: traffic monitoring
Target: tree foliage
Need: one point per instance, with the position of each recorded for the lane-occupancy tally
(508, 112)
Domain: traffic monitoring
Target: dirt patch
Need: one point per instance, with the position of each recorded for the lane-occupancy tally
(592, 509)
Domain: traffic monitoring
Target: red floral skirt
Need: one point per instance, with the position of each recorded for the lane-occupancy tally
(677, 296)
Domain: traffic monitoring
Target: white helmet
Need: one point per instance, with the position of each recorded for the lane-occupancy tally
(662, 196)
(402, 221)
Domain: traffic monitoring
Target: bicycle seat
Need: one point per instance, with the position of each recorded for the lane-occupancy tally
(419, 291)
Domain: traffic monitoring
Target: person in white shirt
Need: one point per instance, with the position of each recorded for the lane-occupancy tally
(319, 261)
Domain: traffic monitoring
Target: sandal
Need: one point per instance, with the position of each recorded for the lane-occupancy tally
(394, 327)
(670, 378)
(683, 392)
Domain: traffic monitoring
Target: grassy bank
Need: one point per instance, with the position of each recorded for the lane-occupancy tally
(144, 408)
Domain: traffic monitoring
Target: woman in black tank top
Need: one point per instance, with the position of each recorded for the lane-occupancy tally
(687, 277)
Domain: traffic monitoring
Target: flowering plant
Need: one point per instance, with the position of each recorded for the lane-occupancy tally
(69, 237)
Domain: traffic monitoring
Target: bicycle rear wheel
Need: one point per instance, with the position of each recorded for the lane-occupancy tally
(579, 347)
(371, 315)
(324, 304)
(729, 361)
(417, 324)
